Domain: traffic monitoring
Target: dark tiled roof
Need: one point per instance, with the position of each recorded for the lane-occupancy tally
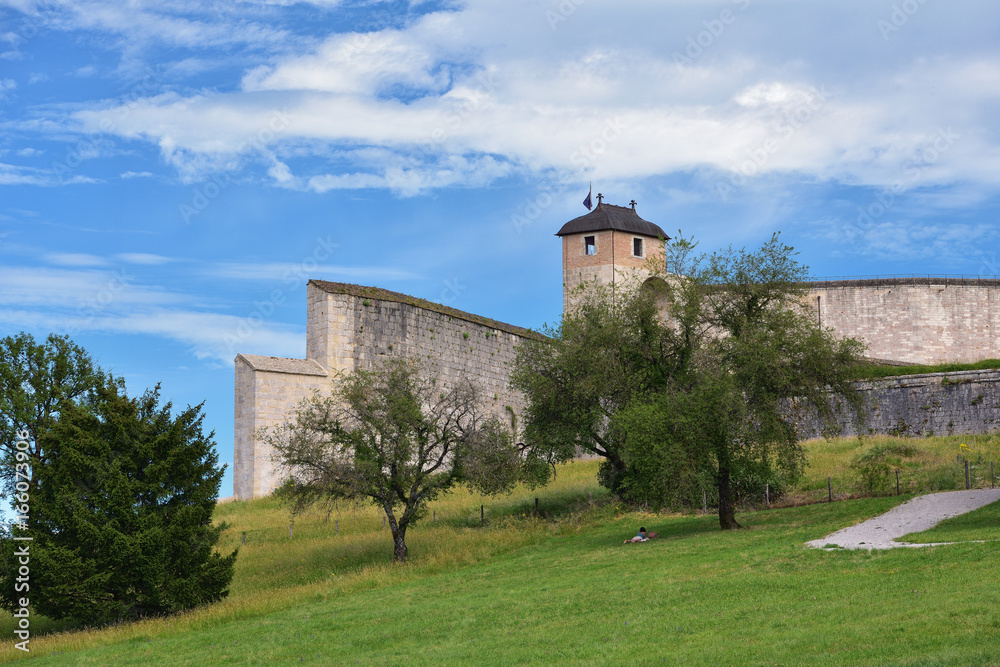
(397, 297)
(607, 216)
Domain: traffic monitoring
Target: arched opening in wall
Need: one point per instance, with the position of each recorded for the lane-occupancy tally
(661, 292)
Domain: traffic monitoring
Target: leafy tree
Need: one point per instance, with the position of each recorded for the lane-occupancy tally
(389, 436)
(607, 352)
(694, 378)
(121, 514)
(36, 381)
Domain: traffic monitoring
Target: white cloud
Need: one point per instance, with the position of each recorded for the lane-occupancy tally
(143, 258)
(495, 88)
(115, 302)
(74, 259)
(295, 273)
(135, 174)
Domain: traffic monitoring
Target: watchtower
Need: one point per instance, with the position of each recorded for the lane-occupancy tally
(608, 244)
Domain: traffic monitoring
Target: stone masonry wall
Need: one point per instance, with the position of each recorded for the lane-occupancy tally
(450, 348)
(350, 327)
(960, 403)
(264, 399)
(914, 320)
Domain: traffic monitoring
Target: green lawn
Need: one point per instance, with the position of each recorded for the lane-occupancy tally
(982, 524)
(578, 596)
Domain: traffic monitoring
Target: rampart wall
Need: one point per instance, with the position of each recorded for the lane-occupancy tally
(959, 403)
(915, 320)
(350, 327)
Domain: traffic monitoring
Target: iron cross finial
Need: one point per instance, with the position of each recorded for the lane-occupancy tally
(633, 204)
(600, 197)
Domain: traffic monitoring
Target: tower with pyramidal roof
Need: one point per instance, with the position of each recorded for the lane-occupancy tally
(607, 245)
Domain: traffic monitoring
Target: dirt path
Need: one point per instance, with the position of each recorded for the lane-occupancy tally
(913, 516)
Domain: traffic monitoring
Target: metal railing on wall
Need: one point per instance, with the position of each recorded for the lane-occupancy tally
(914, 279)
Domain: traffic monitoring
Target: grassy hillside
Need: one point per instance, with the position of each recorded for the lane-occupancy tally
(562, 587)
(578, 596)
(926, 465)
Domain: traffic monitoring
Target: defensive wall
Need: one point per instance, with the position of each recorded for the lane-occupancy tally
(958, 403)
(350, 327)
(929, 319)
(914, 319)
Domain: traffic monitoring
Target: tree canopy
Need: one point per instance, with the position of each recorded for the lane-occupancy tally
(392, 437)
(121, 497)
(36, 381)
(690, 381)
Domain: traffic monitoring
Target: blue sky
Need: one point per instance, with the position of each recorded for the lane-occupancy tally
(171, 173)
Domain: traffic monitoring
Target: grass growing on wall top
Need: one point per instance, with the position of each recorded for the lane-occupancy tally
(876, 371)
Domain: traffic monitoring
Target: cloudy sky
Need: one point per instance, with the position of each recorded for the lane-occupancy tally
(172, 172)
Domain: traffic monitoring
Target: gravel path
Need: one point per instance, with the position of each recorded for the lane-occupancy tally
(913, 516)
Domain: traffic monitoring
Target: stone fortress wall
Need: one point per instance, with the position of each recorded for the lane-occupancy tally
(914, 320)
(958, 403)
(908, 320)
(351, 327)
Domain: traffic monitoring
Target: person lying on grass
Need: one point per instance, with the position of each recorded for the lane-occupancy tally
(643, 536)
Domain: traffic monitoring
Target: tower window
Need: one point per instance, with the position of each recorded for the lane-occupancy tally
(637, 247)
(589, 245)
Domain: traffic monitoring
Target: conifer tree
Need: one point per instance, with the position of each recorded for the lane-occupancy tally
(120, 513)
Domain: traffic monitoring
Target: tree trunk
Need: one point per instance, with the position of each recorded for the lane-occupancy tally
(399, 545)
(727, 513)
(398, 529)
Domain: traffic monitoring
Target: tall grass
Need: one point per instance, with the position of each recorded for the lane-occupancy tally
(926, 465)
(345, 552)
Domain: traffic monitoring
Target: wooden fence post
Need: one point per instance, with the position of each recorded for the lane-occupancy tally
(767, 494)
(897, 481)
(435, 519)
(336, 526)
(536, 505)
(829, 489)
(704, 501)
(383, 523)
(967, 474)
(482, 516)
(244, 537)
(992, 479)
(290, 530)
